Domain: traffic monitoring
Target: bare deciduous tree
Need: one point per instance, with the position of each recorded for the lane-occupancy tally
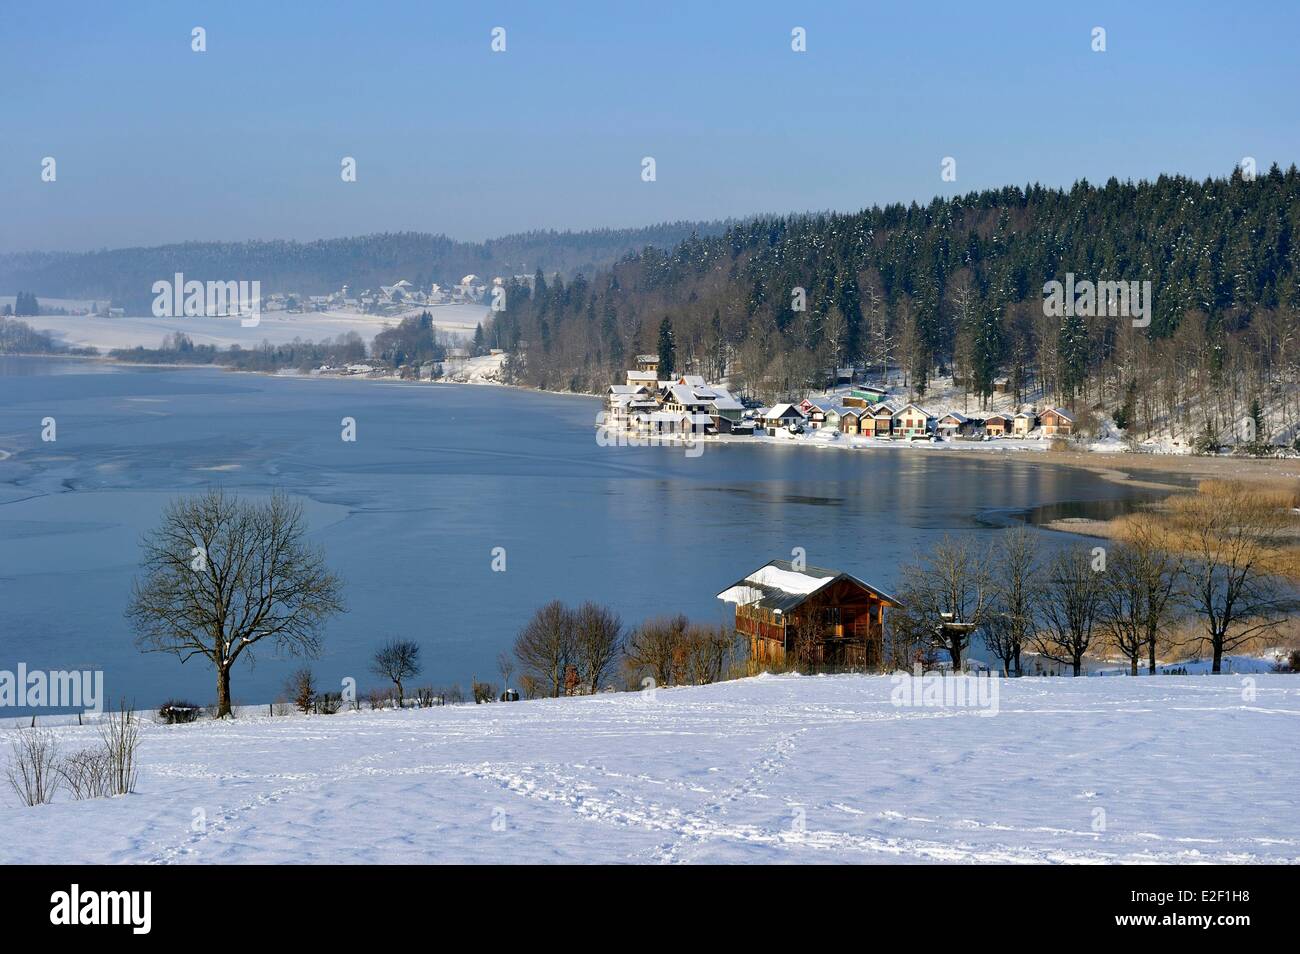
(1011, 619)
(951, 584)
(598, 642)
(221, 575)
(505, 666)
(1140, 590)
(545, 647)
(655, 647)
(1071, 605)
(1230, 534)
(397, 661)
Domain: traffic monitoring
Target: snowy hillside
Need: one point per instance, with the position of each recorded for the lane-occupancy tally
(773, 769)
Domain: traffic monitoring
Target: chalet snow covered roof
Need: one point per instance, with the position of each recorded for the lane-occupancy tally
(779, 586)
(781, 410)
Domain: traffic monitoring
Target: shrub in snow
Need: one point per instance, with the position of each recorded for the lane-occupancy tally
(33, 771)
(425, 698)
(301, 688)
(119, 733)
(483, 691)
(87, 774)
(328, 703)
(178, 712)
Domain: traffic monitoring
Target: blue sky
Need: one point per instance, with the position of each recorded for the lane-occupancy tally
(155, 143)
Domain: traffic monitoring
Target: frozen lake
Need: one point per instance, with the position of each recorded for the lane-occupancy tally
(410, 513)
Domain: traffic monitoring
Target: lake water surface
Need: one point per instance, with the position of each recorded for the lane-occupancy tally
(410, 513)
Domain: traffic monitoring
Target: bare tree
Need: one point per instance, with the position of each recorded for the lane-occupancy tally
(505, 666)
(221, 575)
(545, 646)
(1231, 535)
(951, 585)
(1011, 620)
(1071, 605)
(598, 642)
(1139, 597)
(655, 648)
(707, 650)
(397, 661)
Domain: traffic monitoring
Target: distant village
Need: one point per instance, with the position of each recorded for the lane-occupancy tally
(400, 295)
(648, 405)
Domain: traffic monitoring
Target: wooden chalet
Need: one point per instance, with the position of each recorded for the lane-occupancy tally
(1057, 423)
(851, 420)
(1023, 423)
(880, 422)
(954, 423)
(997, 425)
(781, 415)
(835, 616)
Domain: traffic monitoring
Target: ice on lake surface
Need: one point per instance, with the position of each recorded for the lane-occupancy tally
(410, 513)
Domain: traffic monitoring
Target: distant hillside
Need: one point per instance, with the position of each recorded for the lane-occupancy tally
(956, 288)
(126, 275)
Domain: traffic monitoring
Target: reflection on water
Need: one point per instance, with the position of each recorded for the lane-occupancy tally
(1091, 509)
(409, 514)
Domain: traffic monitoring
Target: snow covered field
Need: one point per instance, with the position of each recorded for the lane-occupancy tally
(277, 327)
(773, 769)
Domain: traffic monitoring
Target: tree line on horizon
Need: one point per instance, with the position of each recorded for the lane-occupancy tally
(955, 287)
(126, 276)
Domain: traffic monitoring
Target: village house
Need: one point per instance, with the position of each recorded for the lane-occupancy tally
(953, 423)
(727, 412)
(1023, 423)
(997, 425)
(1057, 423)
(851, 421)
(780, 415)
(683, 399)
(879, 421)
(912, 420)
(644, 379)
(814, 414)
(648, 362)
(626, 401)
(811, 615)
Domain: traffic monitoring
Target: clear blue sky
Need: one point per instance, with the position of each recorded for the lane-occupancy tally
(155, 143)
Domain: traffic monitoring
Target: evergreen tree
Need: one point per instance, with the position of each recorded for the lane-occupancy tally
(667, 349)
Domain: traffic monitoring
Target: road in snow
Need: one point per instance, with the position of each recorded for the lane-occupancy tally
(773, 769)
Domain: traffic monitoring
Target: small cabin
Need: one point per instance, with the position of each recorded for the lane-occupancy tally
(953, 423)
(869, 393)
(997, 425)
(851, 421)
(1057, 423)
(1023, 423)
(781, 415)
(880, 422)
(809, 614)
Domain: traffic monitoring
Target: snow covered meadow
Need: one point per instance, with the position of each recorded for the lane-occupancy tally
(771, 769)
